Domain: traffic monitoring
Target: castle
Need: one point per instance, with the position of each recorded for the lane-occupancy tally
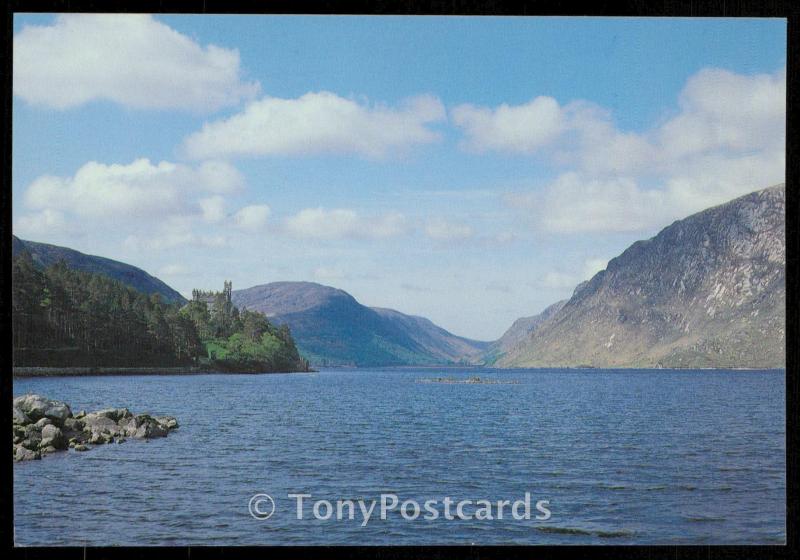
(203, 295)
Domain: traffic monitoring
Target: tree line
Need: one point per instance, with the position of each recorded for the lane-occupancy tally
(65, 317)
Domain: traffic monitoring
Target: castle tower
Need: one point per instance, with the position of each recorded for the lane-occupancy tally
(227, 291)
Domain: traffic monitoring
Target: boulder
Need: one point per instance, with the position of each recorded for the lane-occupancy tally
(33, 405)
(43, 422)
(73, 424)
(129, 426)
(116, 414)
(19, 418)
(37, 407)
(24, 454)
(52, 436)
(169, 422)
(81, 447)
(58, 412)
(96, 424)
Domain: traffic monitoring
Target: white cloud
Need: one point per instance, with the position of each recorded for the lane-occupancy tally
(147, 206)
(339, 223)
(213, 208)
(726, 139)
(42, 223)
(140, 189)
(575, 204)
(318, 123)
(440, 229)
(523, 128)
(130, 59)
(252, 218)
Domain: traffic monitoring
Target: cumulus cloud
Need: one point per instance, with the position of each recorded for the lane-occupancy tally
(145, 205)
(213, 208)
(130, 59)
(139, 189)
(319, 122)
(523, 128)
(44, 222)
(440, 229)
(252, 218)
(574, 203)
(726, 138)
(339, 223)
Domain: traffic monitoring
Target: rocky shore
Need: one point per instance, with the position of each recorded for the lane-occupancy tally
(42, 426)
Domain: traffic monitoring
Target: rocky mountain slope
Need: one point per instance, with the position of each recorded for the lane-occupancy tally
(519, 332)
(45, 255)
(707, 291)
(332, 328)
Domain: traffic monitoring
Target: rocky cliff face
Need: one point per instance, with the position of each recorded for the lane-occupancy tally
(331, 328)
(707, 291)
(519, 333)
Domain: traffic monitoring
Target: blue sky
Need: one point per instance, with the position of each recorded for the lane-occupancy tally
(470, 170)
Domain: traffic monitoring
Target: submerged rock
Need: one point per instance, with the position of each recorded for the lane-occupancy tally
(42, 426)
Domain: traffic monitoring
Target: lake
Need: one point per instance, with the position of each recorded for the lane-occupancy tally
(620, 456)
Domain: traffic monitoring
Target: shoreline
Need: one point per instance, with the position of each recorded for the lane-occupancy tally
(35, 371)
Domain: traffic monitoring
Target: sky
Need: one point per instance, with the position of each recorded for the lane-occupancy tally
(468, 170)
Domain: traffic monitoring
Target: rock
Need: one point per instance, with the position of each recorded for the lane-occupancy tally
(53, 436)
(42, 426)
(97, 438)
(150, 428)
(73, 424)
(94, 423)
(58, 412)
(37, 407)
(169, 422)
(19, 418)
(116, 414)
(33, 405)
(31, 437)
(24, 454)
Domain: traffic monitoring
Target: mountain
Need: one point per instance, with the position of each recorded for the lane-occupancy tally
(707, 291)
(331, 328)
(519, 332)
(45, 255)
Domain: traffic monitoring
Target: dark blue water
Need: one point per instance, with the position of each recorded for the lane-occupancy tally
(623, 457)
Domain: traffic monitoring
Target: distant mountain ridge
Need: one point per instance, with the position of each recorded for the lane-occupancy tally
(519, 332)
(45, 255)
(332, 328)
(707, 291)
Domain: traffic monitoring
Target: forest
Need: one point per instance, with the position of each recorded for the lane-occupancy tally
(67, 318)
